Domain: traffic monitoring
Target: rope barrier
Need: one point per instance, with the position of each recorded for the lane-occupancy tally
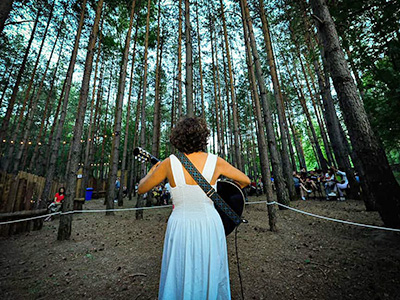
(167, 206)
(83, 211)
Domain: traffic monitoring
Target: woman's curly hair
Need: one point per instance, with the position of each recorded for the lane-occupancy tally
(190, 135)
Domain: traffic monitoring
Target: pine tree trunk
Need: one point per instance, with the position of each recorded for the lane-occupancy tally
(215, 85)
(157, 103)
(287, 167)
(55, 140)
(235, 117)
(64, 230)
(25, 101)
(89, 137)
(200, 65)
(32, 111)
(128, 117)
(339, 144)
(313, 137)
(133, 173)
(179, 79)
(11, 102)
(281, 188)
(376, 170)
(118, 119)
(189, 63)
(8, 76)
(261, 141)
(5, 9)
(139, 203)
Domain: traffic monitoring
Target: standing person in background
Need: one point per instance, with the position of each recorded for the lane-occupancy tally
(195, 259)
(117, 187)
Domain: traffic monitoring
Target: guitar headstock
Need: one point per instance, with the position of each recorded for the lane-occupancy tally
(144, 156)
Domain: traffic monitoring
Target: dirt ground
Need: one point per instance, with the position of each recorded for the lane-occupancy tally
(118, 257)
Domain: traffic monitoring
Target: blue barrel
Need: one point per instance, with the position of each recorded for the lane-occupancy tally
(89, 193)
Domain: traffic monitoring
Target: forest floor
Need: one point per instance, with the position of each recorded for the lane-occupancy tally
(118, 257)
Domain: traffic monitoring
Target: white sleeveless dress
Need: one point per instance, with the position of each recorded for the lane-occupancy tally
(195, 262)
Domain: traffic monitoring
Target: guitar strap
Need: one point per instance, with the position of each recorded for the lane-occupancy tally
(208, 189)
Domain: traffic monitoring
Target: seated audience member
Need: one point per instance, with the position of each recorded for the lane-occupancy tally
(296, 181)
(341, 185)
(55, 206)
(303, 189)
(330, 183)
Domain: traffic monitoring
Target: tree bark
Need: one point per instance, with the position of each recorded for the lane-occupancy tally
(215, 85)
(139, 203)
(114, 160)
(32, 111)
(287, 167)
(26, 98)
(313, 137)
(155, 150)
(55, 140)
(235, 117)
(281, 188)
(179, 79)
(189, 63)
(200, 65)
(64, 229)
(128, 117)
(376, 170)
(11, 102)
(261, 141)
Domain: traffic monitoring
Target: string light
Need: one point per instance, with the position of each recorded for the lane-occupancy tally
(64, 142)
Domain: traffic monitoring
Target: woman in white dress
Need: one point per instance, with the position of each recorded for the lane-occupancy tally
(195, 262)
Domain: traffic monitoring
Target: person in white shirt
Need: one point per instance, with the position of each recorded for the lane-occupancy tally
(342, 185)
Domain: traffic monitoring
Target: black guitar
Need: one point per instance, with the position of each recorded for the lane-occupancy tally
(228, 190)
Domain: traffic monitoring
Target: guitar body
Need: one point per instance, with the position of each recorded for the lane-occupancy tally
(229, 191)
(234, 197)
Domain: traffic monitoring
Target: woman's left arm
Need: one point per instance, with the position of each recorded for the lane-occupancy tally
(155, 176)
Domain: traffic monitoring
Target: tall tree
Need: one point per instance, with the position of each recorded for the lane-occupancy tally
(127, 124)
(118, 117)
(54, 143)
(19, 122)
(200, 64)
(238, 155)
(139, 203)
(64, 230)
(376, 170)
(11, 102)
(287, 167)
(179, 78)
(32, 111)
(189, 62)
(261, 141)
(157, 101)
(281, 188)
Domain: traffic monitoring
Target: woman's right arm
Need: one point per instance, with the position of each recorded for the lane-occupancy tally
(226, 169)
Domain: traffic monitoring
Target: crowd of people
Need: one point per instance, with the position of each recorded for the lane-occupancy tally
(330, 185)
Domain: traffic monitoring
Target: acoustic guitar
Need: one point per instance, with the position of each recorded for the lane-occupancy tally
(229, 191)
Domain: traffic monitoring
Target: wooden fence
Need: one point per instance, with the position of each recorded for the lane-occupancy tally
(19, 196)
